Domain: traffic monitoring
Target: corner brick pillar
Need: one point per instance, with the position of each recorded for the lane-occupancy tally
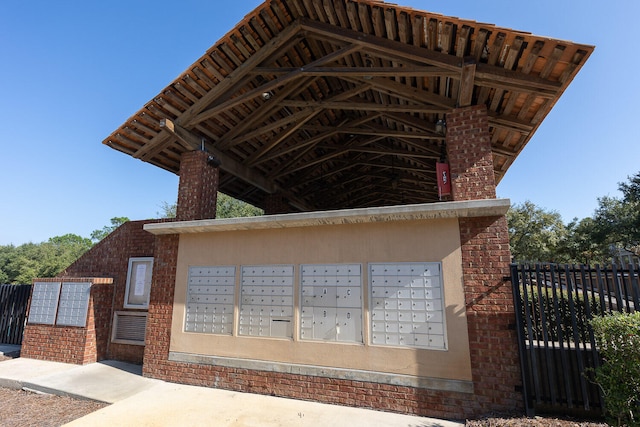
(485, 265)
(276, 204)
(198, 188)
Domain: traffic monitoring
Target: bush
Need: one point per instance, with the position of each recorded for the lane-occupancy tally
(618, 339)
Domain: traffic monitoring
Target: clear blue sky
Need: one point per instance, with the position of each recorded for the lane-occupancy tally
(73, 71)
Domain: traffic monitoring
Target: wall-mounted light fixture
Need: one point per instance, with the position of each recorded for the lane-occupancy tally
(441, 127)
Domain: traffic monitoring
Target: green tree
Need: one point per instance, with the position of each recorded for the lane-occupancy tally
(535, 234)
(579, 246)
(226, 207)
(617, 220)
(97, 235)
(22, 264)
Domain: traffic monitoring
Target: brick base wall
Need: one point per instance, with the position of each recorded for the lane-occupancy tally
(58, 344)
(384, 397)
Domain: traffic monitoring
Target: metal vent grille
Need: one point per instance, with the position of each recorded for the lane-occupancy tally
(129, 327)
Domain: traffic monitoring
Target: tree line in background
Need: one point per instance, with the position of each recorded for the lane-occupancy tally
(21, 264)
(611, 234)
(536, 235)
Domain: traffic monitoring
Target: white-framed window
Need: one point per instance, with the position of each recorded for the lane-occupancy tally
(331, 308)
(407, 305)
(138, 282)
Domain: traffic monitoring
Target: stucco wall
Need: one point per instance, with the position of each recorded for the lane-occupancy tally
(407, 241)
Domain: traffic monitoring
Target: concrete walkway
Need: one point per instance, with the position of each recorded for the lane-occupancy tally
(140, 401)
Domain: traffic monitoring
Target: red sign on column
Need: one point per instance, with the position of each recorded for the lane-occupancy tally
(444, 180)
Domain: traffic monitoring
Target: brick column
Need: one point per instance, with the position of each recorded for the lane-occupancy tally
(469, 154)
(198, 188)
(485, 263)
(156, 350)
(276, 204)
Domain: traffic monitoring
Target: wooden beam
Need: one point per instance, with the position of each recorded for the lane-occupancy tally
(258, 116)
(380, 131)
(467, 80)
(284, 39)
(269, 86)
(226, 163)
(284, 134)
(365, 106)
(410, 71)
(393, 88)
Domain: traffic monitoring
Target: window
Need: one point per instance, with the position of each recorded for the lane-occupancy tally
(138, 283)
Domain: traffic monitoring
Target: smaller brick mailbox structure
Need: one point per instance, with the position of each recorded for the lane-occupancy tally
(69, 320)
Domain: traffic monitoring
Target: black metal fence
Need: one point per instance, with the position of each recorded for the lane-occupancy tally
(13, 312)
(558, 353)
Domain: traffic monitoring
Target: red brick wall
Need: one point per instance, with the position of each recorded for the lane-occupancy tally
(490, 314)
(485, 263)
(198, 188)
(156, 350)
(110, 258)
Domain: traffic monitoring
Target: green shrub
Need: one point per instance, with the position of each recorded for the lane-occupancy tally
(618, 339)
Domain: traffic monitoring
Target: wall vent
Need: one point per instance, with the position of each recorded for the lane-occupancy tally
(129, 327)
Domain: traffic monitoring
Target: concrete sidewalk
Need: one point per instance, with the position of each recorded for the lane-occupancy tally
(140, 401)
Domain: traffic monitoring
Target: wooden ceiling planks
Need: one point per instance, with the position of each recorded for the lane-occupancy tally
(345, 94)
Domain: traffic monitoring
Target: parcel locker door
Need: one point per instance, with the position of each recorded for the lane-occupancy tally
(324, 323)
(349, 324)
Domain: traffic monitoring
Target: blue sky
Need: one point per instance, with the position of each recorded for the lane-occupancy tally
(73, 71)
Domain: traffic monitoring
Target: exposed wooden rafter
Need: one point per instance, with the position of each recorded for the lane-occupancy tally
(335, 103)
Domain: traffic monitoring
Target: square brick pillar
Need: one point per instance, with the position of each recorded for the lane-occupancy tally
(469, 154)
(276, 204)
(198, 188)
(485, 265)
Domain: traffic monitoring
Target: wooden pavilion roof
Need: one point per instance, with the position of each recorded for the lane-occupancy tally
(334, 103)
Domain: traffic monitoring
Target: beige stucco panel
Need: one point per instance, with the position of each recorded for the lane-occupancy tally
(435, 240)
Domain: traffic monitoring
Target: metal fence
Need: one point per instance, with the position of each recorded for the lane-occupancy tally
(13, 312)
(558, 353)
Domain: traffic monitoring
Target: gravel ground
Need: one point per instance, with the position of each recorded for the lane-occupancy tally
(532, 422)
(20, 408)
